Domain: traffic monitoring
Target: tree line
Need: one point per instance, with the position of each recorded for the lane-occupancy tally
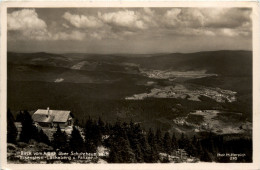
(29, 130)
(128, 142)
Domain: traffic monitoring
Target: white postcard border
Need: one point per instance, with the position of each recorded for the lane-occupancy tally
(256, 86)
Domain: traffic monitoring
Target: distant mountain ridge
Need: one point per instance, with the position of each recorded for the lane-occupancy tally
(220, 62)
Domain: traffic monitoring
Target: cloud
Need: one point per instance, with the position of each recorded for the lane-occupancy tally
(25, 19)
(122, 20)
(118, 24)
(65, 25)
(228, 32)
(207, 17)
(227, 17)
(233, 33)
(184, 17)
(208, 21)
(125, 19)
(148, 11)
(82, 21)
(28, 24)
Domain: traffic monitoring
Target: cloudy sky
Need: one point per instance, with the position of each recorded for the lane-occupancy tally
(128, 30)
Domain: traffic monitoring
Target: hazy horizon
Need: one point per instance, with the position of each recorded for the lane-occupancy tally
(124, 53)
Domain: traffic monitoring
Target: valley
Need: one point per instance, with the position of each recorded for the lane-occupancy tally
(151, 89)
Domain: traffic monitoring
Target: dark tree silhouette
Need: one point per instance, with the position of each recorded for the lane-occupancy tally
(137, 143)
(174, 143)
(101, 125)
(11, 129)
(167, 143)
(113, 156)
(59, 139)
(153, 153)
(19, 117)
(192, 148)
(90, 144)
(42, 137)
(76, 142)
(120, 146)
(158, 140)
(205, 156)
(29, 131)
(183, 142)
(96, 134)
(150, 137)
(122, 151)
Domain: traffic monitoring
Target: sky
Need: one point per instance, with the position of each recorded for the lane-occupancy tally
(128, 30)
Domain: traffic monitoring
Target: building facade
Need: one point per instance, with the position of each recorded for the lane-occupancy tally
(53, 118)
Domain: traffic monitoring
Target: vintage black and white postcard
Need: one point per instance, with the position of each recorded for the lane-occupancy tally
(129, 85)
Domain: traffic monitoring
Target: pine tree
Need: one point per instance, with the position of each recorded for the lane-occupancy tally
(19, 117)
(90, 145)
(118, 130)
(174, 142)
(167, 143)
(107, 129)
(113, 156)
(194, 140)
(199, 149)
(220, 144)
(144, 148)
(59, 139)
(192, 149)
(120, 146)
(158, 140)
(212, 148)
(28, 130)
(96, 134)
(137, 142)
(76, 142)
(150, 137)
(139, 157)
(11, 129)
(205, 156)
(125, 153)
(101, 126)
(153, 153)
(43, 138)
(183, 142)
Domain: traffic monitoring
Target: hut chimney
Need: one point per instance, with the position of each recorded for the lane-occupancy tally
(48, 111)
